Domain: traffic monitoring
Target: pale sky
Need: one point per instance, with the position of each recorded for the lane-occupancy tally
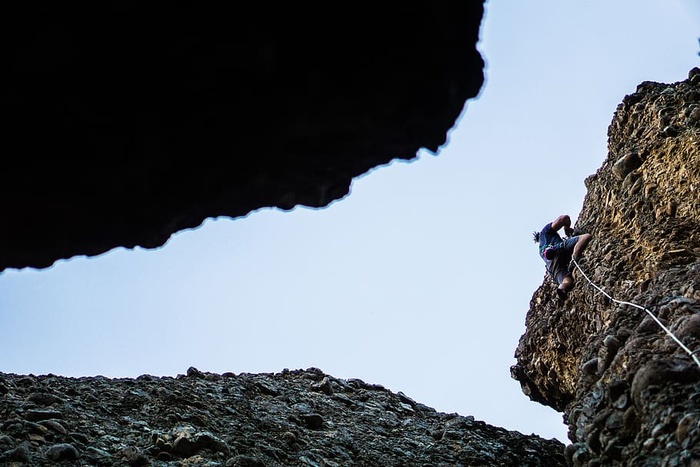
(420, 279)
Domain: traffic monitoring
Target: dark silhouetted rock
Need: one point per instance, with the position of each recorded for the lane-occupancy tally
(128, 122)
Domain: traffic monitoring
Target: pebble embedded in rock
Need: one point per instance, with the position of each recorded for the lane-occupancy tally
(62, 452)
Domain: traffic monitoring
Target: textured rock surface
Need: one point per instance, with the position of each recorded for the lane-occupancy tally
(630, 393)
(301, 418)
(127, 122)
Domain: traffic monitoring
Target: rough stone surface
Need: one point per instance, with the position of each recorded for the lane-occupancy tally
(630, 393)
(298, 418)
(126, 122)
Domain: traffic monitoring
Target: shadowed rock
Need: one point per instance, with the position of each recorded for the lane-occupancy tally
(128, 122)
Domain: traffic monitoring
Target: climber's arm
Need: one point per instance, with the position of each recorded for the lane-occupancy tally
(563, 221)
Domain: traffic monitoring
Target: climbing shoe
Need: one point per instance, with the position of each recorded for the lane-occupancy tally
(562, 294)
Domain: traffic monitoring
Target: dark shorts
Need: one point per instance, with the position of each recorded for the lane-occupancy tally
(559, 267)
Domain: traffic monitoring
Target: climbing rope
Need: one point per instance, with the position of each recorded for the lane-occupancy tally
(668, 331)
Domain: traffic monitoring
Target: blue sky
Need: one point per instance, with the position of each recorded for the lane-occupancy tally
(418, 280)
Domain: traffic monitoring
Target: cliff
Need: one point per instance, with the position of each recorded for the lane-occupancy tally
(629, 391)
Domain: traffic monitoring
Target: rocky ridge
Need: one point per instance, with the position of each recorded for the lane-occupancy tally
(629, 392)
(298, 418)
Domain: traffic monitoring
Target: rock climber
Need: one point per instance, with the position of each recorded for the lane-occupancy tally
(557, 252)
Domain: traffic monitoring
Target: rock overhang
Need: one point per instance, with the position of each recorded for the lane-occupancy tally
(129, 123)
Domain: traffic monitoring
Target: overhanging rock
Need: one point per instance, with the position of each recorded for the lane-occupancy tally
(130, 122)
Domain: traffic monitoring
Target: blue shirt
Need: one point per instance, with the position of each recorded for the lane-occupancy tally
(548, 236)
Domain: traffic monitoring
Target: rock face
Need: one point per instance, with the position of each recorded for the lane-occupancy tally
(128, 122)
(630, 392)
(300, 418)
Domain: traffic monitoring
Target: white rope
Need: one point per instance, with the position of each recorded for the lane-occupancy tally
(683, 346)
